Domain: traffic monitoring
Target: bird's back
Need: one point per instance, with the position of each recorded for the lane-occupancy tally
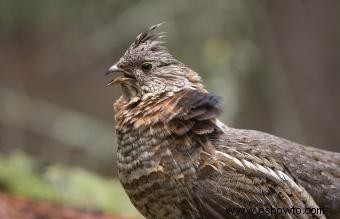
(317, 170)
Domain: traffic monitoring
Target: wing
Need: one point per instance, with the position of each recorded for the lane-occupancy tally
(317, 171)
(242, 185)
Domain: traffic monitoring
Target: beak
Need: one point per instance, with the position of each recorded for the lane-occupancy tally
(113, 69)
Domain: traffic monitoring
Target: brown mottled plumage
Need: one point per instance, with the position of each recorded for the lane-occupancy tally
(177, 160)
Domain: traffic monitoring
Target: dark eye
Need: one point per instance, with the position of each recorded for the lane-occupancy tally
(146, 67)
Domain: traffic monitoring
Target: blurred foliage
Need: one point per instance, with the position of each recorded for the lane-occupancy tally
(70, 186)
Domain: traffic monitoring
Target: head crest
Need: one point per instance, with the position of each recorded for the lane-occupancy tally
(148, 36)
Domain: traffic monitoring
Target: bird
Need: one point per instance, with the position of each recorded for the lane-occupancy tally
(177, 159)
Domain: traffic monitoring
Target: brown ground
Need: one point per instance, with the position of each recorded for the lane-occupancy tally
(12, 207)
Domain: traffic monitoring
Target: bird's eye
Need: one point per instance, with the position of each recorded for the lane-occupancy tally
(146, 67)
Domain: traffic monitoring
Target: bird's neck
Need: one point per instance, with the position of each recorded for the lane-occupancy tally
(156, 135)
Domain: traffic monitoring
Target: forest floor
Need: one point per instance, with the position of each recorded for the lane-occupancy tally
(56, 191)
(15, 207)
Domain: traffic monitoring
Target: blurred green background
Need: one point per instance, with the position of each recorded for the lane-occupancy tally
(275, 64)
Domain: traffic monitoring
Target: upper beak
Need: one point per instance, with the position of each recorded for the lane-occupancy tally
(113, 69)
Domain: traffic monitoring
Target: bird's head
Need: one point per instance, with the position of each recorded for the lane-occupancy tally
(148, 67)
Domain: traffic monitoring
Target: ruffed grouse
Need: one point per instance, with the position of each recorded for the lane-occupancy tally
(177, 160)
